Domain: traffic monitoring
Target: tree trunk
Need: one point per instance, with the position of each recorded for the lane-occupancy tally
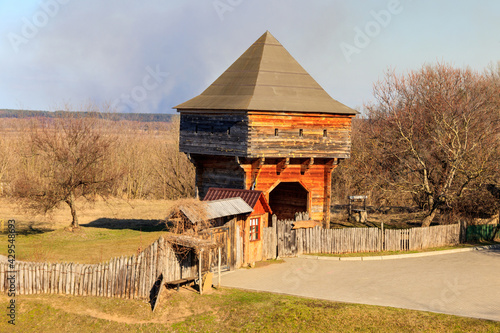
(428, 219)
(71, 203)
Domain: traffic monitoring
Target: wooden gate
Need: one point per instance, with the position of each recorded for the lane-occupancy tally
(221, 236)
(287, 246)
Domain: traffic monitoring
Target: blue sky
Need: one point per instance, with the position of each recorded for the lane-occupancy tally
(148, 56)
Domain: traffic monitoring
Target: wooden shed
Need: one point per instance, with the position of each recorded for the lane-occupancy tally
(250, 225)
(265, 124)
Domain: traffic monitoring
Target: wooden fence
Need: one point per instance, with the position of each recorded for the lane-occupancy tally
(134, 276)
(281, 240)
(125, 277)
(486, 232)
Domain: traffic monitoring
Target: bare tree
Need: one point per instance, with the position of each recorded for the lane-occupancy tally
(72, 155)
(438, 130)
(4, 162)
(172, 167)
(364, 172)
(152, 164)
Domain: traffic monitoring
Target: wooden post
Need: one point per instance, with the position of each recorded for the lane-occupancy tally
(218, 268)
(382, 239)
(200, 285)
(462, 231)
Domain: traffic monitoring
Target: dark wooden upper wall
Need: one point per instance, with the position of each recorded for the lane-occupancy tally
(265, 134)
(214, 133)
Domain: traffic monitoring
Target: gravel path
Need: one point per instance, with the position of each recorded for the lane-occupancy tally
(465, 284)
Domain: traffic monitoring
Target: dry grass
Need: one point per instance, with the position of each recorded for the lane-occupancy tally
(109, 229)
(117, 209)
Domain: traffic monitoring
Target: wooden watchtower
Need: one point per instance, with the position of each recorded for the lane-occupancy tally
(266, 124)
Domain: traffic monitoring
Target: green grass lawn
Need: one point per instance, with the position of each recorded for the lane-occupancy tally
(226, 310)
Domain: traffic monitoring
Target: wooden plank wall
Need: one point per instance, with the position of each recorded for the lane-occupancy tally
(224, 236)
(263, 141)
(123, 277)
(290, 243)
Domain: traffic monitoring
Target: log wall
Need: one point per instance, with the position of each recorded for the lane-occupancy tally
(217, 171)
(225, 147)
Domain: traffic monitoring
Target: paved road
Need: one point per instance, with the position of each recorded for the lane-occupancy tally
(464, 284)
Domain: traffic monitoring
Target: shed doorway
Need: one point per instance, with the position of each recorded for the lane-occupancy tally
(288, 198)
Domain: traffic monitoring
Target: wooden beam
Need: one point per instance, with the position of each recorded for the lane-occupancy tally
(306, 165)
(331, 164)
(198, 174)
(281, 166)
(256, 167)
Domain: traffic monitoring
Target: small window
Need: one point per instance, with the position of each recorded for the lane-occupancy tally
(325, 133)
(301, 132)
(255, 229)
(276, 133)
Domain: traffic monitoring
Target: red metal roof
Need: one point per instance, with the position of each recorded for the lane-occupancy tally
(249, 196)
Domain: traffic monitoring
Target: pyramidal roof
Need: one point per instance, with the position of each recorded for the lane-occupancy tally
(266, 78)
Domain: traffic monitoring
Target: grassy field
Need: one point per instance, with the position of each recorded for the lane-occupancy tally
(226, 310)
(109, 229)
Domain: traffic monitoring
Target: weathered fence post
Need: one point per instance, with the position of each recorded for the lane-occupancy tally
(200, 284)
(218, 268)
(275, 223)
(463, 231)
(382, 239)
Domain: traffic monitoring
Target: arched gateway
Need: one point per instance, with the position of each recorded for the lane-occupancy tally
(288, 198)
(266, 121)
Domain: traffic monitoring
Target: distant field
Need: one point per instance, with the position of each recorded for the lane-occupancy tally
(142, 117)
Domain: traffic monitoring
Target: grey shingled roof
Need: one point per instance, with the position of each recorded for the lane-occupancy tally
(220, 208)
(266, 78)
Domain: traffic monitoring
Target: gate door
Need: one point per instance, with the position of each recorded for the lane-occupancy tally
(221, 236)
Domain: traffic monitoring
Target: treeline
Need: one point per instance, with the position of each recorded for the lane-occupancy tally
(140, 117)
